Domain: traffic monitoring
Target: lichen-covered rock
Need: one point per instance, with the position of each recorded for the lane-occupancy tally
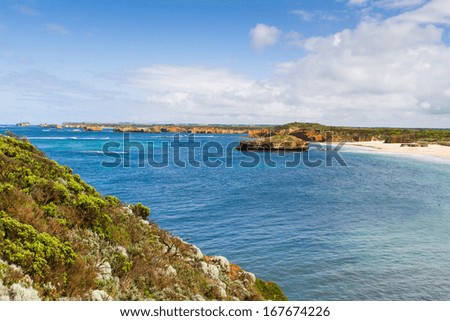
(212, 271)
(170, 271)
(100, 295)
(19, 293)
(195, 252)
(105, 271)
(4, 295)
(221, 262)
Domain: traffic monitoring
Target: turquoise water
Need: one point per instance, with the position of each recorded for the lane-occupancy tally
(378, 229)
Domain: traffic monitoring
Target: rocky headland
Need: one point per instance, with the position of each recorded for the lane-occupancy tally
(61, 240)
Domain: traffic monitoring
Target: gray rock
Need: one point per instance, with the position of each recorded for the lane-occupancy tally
(248, 276)
(213, 271)
(19, 293)
(195, 253)
(170, 271)
(122, 250)
(222, 262)
(198, 297)
(221, 292)
(100, 295)
(127, 210)
(105, 270)
(4, 296)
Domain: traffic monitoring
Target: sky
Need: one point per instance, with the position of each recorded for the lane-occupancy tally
(337, 62)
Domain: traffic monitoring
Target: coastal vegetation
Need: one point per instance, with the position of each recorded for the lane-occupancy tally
(61, 240)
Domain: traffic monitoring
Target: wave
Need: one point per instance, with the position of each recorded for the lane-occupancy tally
(67, 138)
(101, 152)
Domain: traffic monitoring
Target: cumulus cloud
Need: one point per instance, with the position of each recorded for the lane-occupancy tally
(391, 72)
(56, 28)
(383, 72)
(263, 36)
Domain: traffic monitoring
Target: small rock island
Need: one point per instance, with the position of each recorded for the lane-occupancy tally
(273, 143)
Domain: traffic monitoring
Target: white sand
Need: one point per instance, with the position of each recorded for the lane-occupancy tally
(432, 150)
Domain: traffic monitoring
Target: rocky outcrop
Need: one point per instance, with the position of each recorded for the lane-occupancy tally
(93, 128)
(23, 124)
(414, 145)
(278, 142)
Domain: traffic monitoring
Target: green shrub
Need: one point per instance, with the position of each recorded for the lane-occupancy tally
(37, 253)
(141, 211)
(112, 200)
(74, 186)
(120, 265)
(270, 291)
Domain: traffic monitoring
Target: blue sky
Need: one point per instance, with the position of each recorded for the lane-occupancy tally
(343, 62)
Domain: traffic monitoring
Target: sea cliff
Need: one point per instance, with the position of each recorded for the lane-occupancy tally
(61, 240)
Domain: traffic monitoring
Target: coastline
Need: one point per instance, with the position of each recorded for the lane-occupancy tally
(379, 147)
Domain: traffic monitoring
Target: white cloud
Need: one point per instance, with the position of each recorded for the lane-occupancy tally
(263, 36)
(388, 4)
(315, 15)
(383, 72)
(434, 12)
(394, 4)
(198, 94)
(357, 2)
(391, 72)
(304, 15)
(56, 28)
(25, 10)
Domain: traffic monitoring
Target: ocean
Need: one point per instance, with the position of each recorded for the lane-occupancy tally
(375, 229)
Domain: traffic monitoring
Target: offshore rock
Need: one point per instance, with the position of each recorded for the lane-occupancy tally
(277, 142)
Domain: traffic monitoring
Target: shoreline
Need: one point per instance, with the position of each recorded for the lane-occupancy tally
(379, 147)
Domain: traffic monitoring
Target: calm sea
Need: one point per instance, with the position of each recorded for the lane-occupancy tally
(377, 229)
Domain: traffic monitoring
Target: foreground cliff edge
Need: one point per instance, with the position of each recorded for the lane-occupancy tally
(61, 240)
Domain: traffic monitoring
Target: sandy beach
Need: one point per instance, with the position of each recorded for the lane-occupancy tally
(432, 150)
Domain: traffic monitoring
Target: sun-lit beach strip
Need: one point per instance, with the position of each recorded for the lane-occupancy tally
(433, 150)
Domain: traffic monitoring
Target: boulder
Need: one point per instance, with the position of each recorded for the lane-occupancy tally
(221, 262)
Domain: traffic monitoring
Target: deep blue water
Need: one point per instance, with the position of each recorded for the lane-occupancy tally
(377, 229)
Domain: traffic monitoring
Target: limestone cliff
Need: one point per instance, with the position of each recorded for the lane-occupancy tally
(277, 142)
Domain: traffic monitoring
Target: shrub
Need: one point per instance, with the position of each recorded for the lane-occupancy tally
(141, 211)
(89, 207)
(38, 253)
(270, 291)
(112, 200)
